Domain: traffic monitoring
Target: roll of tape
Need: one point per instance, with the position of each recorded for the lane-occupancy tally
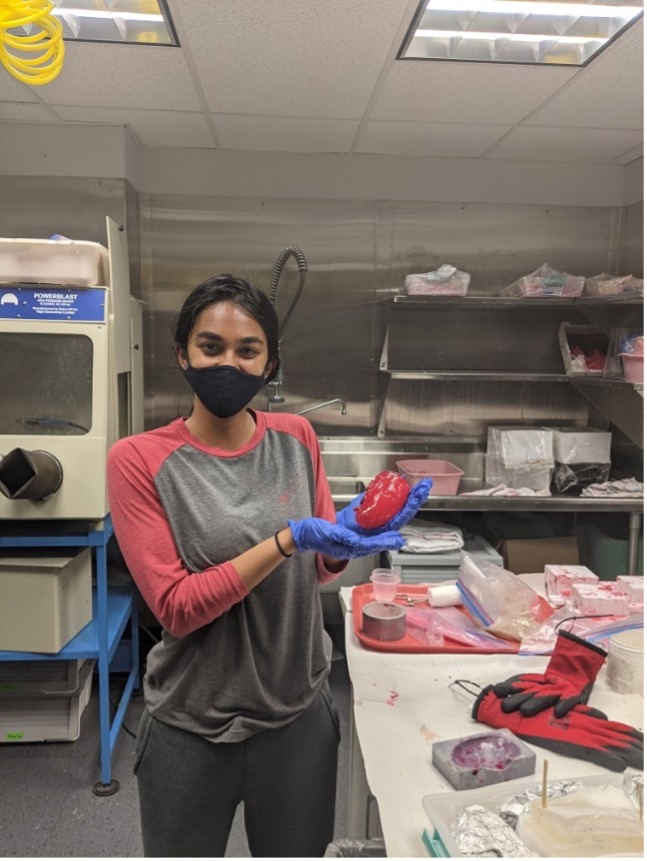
(383, 621)
(444, 595)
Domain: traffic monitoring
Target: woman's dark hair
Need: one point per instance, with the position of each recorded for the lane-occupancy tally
(230, 288)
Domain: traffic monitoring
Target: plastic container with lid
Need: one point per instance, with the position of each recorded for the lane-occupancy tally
(625, 661)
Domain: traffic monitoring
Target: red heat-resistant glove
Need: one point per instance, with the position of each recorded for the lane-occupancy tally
(584, 733)
(566, 682)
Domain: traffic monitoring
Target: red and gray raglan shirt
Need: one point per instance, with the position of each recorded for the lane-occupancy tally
(231, 662)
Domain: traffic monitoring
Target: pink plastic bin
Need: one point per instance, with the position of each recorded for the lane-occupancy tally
(633, 367)
(446, 476)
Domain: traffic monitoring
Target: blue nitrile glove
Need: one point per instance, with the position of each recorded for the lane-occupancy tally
(417, 495)
(336, 541)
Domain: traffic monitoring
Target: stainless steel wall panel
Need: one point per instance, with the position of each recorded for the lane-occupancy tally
(633, 248)
(464, 338)
(330, 343)
(133, 222)
(35, 207)
(466, 408)
(497, 243)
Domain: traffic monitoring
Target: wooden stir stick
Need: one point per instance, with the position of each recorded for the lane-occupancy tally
(544, 784)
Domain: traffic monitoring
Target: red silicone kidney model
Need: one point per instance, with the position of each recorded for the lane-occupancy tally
(384, 497)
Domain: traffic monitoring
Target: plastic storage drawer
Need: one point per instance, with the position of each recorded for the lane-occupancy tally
(48, 717)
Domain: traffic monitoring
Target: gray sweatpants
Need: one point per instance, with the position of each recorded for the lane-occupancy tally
(189, 788)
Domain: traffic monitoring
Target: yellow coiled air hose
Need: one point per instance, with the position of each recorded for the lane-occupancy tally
(34, 58)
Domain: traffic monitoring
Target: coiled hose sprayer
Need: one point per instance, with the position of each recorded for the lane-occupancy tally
(275, 396)
(34, 57)
(283, 257)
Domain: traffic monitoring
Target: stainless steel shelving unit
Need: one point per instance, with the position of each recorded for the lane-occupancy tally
(619, 401)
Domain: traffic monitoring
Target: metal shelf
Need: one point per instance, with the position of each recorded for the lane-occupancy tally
(616, 504)
(506, 302)
(480, 376)
(604, 382)
(86, 643)
(534, 503)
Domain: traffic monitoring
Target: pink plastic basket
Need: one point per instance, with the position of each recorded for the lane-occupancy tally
(633, 367)
(446, 476)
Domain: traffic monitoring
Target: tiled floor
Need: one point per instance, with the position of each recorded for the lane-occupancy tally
(48, 809)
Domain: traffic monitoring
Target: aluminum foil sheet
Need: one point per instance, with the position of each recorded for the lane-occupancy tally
(517, 804)
(634, 786)
(481, 832)
(484, 833)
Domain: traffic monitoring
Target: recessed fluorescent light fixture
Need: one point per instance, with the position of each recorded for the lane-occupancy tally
(516, 31)
(142, 22)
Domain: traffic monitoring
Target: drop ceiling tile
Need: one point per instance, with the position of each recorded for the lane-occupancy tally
(13, 90)
(26, 112)
(586, 146)
(122, 76)
(465, 92)
(630, 155)
(607, 93)
(152, 128)
(284, 134)
(293, 58)
(429, 139)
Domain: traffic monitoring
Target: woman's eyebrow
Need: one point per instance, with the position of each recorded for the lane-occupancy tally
(213, 336)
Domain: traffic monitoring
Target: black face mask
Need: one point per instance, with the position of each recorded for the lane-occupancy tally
(224, 390)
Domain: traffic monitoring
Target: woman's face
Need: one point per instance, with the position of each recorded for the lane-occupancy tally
(224, 334)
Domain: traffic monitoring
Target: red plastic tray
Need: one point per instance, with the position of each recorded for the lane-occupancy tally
(363, 594)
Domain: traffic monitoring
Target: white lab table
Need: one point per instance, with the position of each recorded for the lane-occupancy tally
(402, 703)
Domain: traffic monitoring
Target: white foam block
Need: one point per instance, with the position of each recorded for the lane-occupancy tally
(600, 599)
(633, 587)
(559, 580)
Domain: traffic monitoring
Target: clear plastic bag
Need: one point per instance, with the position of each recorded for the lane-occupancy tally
(546, 281)
(605, 285)
(432, 627)
(573, 476)
(595, 629)
(499, 600)
(447, 280)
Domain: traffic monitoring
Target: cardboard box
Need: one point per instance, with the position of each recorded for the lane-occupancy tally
(531, 555)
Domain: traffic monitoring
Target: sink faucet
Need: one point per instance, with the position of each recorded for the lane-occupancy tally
(324, 404)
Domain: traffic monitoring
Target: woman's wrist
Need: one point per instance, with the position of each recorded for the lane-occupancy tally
(285, 541)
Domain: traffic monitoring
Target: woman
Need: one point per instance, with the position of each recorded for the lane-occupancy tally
(226, 522)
